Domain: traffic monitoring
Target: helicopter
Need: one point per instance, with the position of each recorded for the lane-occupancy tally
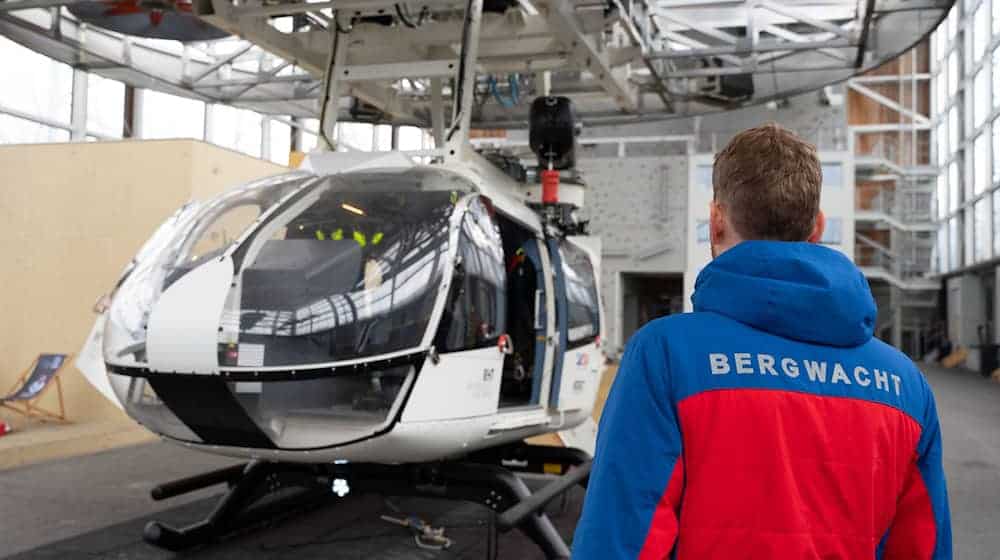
(372, 322)
(363, 308)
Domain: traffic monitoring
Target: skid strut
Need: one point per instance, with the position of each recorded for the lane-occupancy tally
(262, 490)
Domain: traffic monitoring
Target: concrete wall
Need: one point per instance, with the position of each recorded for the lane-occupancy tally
(966, 312)
(637, 206)
(71, 217)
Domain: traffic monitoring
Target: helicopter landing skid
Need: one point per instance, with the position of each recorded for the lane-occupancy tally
(260, 491)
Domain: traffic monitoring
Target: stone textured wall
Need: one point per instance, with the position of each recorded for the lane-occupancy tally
(638, 207)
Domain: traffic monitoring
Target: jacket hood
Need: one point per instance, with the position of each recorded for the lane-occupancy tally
(802, 291)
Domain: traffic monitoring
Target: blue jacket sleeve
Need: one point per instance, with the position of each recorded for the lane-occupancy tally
(921, 528)
(630, 510)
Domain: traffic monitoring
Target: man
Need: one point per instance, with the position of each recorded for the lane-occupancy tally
(769, 423)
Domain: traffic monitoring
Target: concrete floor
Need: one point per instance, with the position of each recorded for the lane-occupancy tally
(99, 504)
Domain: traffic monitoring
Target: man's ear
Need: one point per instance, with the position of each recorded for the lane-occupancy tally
(717, 223)
(817, 232)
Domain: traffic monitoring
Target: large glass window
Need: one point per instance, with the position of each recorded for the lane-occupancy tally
(281, 141)
(942, 195)
(940, 259)
(310, 140)
(941, 87)
(833, 233)
(996, 75)
(584, 320)
(954, 187)
(941, 132)
(701, 231)
(996, 16)
(954, 244)
(981, 102)
(981, 163)
(981, 29)
(234, 128)
(359, 136)
(996, 149)
(170, 116)
(833, 174)
(996, 222)
(952, 74)
(19, 131)
(982, 229)
(411, 138)
(34, 84)
(953, 130)
(105, 106)
(703, 176)
(970, 235)
(476, 312)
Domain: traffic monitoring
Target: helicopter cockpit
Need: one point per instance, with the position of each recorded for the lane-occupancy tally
(324, 270)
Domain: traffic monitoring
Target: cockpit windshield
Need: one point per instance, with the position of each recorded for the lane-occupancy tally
(342, 273)
(325, 269)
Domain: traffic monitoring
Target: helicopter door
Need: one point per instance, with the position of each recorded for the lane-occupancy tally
(578, 326)
(527, 369)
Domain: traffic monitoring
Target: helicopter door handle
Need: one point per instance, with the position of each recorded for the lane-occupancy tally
(538, 314)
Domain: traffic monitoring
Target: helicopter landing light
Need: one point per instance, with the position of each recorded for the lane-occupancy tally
(340, 487)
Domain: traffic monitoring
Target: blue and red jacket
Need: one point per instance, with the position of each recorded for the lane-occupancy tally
(769, 424)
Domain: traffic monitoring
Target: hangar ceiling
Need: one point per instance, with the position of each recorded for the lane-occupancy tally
(621, 61)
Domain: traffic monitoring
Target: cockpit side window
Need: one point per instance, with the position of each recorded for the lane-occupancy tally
(583, 314)
(476, 312)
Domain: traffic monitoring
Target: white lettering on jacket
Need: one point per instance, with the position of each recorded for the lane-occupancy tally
(817, 371)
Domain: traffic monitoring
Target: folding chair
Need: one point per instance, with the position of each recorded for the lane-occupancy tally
(33, 384)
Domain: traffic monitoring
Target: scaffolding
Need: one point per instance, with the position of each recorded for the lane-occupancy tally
(890, 127)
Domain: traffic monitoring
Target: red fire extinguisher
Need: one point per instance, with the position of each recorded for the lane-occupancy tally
(4, 428)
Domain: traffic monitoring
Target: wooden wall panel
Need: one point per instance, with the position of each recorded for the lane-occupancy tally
(71, 217)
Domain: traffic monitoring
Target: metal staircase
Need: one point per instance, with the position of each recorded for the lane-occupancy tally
(895, 229)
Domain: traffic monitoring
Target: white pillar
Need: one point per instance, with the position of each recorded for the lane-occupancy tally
(78, 112)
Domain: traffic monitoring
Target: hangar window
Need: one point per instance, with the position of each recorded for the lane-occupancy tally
(833, 174)
(703, 177)
(583, 313)
(701, 231)
(833, 234)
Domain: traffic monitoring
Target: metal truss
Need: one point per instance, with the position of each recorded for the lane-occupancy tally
(621, 61)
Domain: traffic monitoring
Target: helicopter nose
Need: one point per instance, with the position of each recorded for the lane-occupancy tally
(183, 330)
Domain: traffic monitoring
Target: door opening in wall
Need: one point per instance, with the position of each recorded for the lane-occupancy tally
(647, 296)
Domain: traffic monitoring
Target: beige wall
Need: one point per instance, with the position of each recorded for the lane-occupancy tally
(71, 216)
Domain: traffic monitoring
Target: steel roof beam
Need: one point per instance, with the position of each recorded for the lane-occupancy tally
(762, 46)
(801, 15)
(588, 55)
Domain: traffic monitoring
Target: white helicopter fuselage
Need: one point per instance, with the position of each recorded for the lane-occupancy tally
(204, 369)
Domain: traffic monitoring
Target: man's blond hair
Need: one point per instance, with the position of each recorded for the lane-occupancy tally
(768, 181)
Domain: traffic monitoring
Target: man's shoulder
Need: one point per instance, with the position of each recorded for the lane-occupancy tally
(679, 323)
(901, 365)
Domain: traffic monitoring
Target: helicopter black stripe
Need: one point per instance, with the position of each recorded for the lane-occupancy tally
(205, 404)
